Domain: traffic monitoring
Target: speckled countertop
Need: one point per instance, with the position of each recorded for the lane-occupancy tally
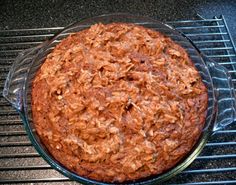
(44, 13)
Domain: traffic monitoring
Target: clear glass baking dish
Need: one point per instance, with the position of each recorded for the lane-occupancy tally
(221, 97)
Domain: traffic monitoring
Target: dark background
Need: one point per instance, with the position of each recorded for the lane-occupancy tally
(35, 14)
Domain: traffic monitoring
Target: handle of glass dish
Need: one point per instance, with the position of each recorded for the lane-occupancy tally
(225, 95)
(16, 78)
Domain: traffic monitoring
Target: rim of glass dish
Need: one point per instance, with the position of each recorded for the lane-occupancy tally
(180, 166)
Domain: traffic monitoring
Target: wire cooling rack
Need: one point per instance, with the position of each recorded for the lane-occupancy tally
(21, 164)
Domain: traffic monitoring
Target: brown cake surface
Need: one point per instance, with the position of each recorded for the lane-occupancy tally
(118, 102)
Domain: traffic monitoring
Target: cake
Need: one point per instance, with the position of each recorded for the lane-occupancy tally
(118, 102)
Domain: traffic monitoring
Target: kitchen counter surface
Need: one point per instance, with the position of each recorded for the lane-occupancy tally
(36, 14)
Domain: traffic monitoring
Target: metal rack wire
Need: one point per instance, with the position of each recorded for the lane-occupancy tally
(20, 163)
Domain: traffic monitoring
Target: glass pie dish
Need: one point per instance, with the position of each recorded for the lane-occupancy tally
(221, 97)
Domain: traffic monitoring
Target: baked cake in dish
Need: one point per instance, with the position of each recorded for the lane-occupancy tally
(118, 102)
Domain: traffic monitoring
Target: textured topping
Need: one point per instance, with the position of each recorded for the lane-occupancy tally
(118, 102)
